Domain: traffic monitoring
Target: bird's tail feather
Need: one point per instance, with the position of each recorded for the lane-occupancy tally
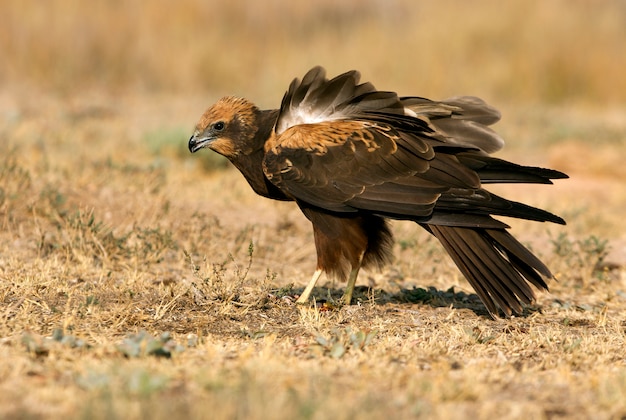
(497, 266)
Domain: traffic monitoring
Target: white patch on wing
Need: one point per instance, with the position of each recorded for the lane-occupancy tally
(308, 117)
(409, 112)
(299, 115)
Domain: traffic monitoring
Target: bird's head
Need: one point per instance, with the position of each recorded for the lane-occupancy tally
(228, 128)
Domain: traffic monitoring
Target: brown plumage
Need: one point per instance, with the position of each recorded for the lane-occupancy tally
(351, 156)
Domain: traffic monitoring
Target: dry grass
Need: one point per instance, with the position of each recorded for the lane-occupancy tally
(138, 281)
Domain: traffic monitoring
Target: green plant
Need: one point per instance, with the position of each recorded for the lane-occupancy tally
(582, 255)
(143, 344)
(217, 281)
(340, 341)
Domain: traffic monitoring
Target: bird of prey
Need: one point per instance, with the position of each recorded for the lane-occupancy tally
(352, 157)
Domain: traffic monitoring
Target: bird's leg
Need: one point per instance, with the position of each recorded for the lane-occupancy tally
(304, 297)
(347, 296)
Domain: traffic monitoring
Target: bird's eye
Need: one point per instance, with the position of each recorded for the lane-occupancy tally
(219, 126)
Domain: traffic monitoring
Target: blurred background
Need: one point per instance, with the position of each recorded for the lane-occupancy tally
(556, 52)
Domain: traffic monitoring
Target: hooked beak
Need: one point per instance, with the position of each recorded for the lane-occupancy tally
(197, 142)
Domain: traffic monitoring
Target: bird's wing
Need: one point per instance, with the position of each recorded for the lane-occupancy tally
(343, 146)
(462, 120)
(348, 165)
(316, 99)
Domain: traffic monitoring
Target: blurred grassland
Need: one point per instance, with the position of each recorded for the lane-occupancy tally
(548, 52)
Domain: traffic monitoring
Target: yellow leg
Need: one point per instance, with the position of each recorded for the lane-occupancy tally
(304, 297)
(354, 273)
